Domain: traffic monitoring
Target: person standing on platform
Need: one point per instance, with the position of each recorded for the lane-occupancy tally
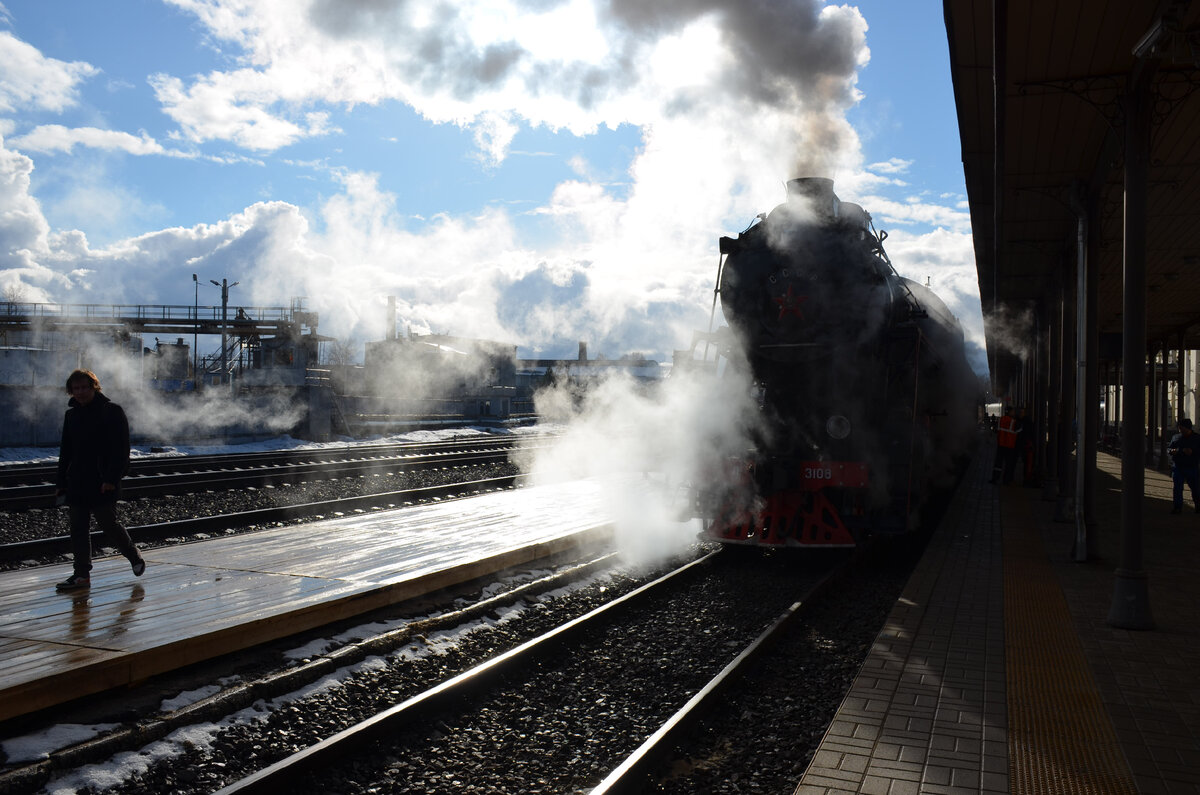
(93, 456)
(1006, 447)
(1185, 464)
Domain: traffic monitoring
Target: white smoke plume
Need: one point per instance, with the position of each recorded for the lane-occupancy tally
(651, 445)
(1012, 330)
(730, 98)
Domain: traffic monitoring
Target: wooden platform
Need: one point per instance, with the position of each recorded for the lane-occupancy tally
(200, 600)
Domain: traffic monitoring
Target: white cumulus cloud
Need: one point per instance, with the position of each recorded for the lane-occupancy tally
(57, 138)
(30, 80)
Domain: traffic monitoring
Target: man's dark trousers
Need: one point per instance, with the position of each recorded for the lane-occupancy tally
(106, 519)
(1190, 476)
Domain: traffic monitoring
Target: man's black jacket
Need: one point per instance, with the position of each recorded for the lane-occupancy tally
(94, 450)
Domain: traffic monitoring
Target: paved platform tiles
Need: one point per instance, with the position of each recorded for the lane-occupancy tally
(997, 670)
(200, 600)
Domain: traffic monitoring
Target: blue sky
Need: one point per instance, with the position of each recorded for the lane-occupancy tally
(534, 171)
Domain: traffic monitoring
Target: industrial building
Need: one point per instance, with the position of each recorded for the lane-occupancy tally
(268, 377)
(145, 355)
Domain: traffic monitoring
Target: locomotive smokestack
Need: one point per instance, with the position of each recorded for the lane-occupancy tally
(818, 191)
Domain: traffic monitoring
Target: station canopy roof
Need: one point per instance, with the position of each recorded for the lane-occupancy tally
(1064, 69)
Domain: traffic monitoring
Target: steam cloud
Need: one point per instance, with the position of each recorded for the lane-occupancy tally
(156, 416)
(650, 446)
(754, 91)
(1012, 331)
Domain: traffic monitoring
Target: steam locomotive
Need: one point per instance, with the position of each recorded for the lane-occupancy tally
(865, 399)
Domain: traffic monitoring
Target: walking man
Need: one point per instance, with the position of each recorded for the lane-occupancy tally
(1185, 464)
(93, 456)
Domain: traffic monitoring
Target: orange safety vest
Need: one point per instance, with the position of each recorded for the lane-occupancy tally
(1006, 435)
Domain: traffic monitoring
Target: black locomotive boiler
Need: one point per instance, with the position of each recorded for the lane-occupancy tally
(866, 400)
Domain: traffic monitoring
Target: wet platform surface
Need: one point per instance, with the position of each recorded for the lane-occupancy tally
(196, 601)
(998, 670)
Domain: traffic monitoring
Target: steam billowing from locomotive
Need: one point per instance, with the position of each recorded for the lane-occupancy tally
(865, 393)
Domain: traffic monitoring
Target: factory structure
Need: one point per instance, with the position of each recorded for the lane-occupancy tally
(271, 374)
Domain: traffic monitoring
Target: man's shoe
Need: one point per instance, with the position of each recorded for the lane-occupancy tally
(1176, 510)
(75, 582)
(139, 566)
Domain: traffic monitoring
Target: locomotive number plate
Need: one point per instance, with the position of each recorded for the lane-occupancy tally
(846, 474)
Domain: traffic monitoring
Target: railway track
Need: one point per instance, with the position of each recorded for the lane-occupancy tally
(57, 545)
(520, 719)
(32, 486)
(379, 633)
(515, 712)
(575, 702)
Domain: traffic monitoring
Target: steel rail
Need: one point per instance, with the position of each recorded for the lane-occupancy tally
(34, 474)
(15, 498)
(281, 776)
(272, 684)
(42, 547)
(634, 775)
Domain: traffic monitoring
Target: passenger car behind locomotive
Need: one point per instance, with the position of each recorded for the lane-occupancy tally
(865, 396)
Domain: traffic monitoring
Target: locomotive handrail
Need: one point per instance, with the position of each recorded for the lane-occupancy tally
(915, 310)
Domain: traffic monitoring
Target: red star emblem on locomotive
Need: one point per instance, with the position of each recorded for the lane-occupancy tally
(789, 303)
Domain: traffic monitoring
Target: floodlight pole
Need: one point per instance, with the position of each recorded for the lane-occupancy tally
(195, 330)
(224, 285)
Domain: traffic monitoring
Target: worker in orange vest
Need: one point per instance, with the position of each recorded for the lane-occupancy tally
(1006, 447)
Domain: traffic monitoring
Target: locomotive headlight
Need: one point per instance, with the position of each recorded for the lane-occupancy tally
(837, 426)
